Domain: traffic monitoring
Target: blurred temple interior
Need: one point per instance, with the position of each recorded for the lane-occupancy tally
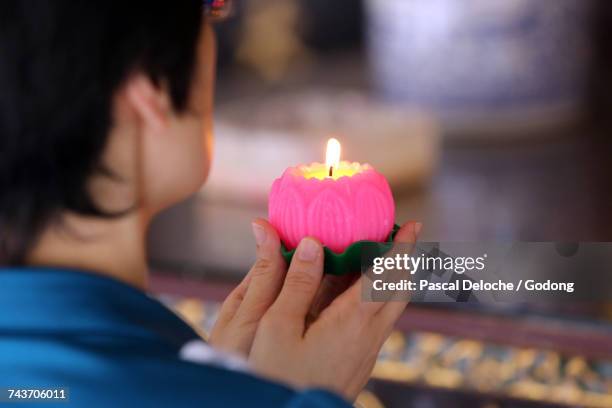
(491, 121)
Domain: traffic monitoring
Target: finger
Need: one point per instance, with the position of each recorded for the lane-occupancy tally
(392, 310)
(266, 275)
(394, 307)
(409, 232)
(232, 302)
(354, 296)
(302, 282)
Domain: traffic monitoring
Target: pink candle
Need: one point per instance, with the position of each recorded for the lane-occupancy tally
(338, 202)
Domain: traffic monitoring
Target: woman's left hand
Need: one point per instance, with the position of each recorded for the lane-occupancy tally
(243, 309)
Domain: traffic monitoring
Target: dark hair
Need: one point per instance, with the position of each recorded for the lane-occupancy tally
(60, 63)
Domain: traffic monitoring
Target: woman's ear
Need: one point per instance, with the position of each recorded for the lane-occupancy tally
(150, 102)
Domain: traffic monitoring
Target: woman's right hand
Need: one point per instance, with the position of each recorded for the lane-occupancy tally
(339, 348)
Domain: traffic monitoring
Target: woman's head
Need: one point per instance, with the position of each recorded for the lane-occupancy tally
(105, 107)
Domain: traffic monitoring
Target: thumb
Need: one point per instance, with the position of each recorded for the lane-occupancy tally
(395, 305)
(408, 233)
(301, 284)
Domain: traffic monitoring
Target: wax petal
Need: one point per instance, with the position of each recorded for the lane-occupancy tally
(337, 212)
(330, 220)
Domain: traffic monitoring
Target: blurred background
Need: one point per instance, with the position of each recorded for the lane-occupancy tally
(491, 121)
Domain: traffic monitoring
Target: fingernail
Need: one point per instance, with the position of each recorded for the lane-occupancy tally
(308, 250)
(417, 228)
(259, 232)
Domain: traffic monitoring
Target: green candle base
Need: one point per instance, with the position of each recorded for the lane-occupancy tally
(349, 261)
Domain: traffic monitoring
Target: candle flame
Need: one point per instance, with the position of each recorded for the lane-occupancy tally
(332, 155)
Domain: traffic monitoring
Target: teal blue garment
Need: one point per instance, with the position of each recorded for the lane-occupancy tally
(113, 346)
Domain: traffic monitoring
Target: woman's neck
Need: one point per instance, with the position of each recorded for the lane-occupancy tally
(110, 247)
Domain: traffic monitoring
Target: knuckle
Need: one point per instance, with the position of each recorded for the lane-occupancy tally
(257, 308)
(261, 267)
(236, 296)
(300, 282)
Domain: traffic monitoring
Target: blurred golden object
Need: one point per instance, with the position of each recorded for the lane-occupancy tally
(487, 375)
(443, 377)
(464, 349)
(395, 345)
(576, 366)
(567, 391)
(269, 43)
(367, 399)
(529, 389)
(398, 371)
(430, 343)
(548, 367)
(525, 358)
(191, 310)
(194, 313)
(539, 375)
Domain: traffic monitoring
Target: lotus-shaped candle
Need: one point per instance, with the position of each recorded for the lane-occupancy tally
(339, 203)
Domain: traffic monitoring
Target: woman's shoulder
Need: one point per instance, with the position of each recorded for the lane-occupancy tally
(107, 344)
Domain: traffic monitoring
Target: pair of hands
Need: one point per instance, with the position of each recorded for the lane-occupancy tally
(300, 327)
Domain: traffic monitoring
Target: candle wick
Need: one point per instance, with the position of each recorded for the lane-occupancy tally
(331, 171)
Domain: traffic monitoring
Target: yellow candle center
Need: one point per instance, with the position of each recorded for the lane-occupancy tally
(320, 171)
(333, 167)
